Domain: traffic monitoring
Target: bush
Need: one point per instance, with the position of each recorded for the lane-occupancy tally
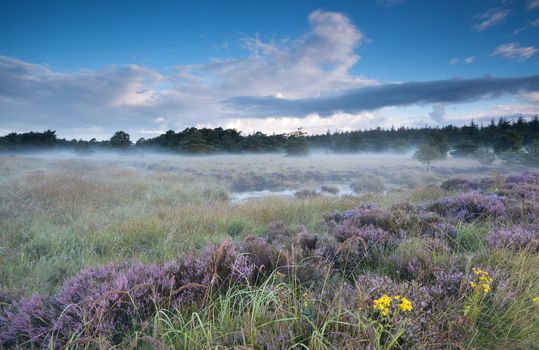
(368, 184)
(469, 206)
(517, 237)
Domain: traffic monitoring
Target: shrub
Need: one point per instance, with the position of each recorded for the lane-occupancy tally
(415, 256)
(304, 194)
(458, 184)
(368, 184)
(360, 246)
(516, 237)
(112, 300)
(329, 189)
(485, 156)
(469, 206)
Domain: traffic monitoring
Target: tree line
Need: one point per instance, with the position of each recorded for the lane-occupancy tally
(498, 137)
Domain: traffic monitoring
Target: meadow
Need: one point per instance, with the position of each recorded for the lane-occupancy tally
(367, 251)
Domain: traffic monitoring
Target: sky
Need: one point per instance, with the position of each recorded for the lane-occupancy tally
(88, 68)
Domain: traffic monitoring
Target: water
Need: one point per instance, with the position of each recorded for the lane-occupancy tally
(239, 197)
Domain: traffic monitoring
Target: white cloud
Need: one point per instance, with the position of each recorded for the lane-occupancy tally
(312, 124)
(469, 60)
(515, 51)
(533, 4)
(453, 60)
(490, 18)
(130, 97)
(388, 3)
(530, 96)
(438, 112)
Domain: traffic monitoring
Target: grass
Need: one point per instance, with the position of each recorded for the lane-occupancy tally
(60, 215)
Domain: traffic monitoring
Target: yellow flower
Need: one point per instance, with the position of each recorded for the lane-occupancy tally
(382, 304)
(482, 281)
(536, 300)
(404, 304)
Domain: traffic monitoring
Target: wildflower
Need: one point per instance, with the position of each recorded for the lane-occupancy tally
(404, 304)
(482, 281)
(536, 300)
(382, 304)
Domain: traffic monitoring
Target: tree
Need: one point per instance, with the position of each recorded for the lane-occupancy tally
(464, 149)
(194, 142)
(509, 141)
(400, 145)
(426, 153)
(120, 139)
(438, 140)
(296, 144)
(484, 156)
(531, 156)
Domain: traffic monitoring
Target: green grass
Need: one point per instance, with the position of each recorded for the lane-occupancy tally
(59, 216)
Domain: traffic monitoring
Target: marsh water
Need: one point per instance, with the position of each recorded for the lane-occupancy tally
(341, 190)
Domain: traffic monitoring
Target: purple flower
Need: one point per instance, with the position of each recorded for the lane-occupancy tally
(515, 238)
(469, 206)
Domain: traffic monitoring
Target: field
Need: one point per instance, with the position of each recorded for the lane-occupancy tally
(267, 252)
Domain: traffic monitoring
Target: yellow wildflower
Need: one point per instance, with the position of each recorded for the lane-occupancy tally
(382, 304)
(536, 300)
(482, 281)
(404, 304)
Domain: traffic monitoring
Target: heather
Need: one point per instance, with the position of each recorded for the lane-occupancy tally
(167, 261)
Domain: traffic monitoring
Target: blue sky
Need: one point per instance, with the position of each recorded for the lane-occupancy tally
(87, 68)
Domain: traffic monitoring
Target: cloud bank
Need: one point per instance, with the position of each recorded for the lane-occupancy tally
(370, 98)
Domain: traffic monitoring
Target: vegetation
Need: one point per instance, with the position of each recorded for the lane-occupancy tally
(502, 137)
(149, 253)
(426, 153)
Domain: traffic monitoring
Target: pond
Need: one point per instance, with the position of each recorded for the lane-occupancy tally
(341, 190)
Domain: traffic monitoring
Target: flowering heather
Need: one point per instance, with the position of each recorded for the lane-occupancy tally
(458, 184)
(442, 230)
(414, 257)
(423, 330)
(531, 178)
(469, 206)
(27, 322)
(522, 190)
(515, 238)
(446, 285)
(364, 215)
(360, 246)
(113, 299)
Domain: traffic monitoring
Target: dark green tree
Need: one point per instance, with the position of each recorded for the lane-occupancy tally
(296, 144)
(508, 141)
(120, 140)
(464, 149)
(426, 153)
